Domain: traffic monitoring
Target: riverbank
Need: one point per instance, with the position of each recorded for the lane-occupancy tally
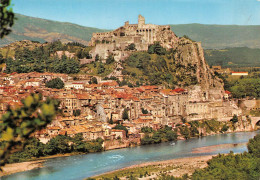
(9, 169)
(20, 167)
(150, 170)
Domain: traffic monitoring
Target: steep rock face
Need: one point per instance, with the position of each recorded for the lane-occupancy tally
(191, 53)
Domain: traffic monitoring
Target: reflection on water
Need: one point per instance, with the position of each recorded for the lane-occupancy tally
(82, 166)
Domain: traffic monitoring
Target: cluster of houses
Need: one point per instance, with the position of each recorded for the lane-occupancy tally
(95, 109)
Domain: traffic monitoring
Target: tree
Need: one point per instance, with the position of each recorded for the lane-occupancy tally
(254, 146)
(18, 124)
(171, 135)
(125, 115)
(76, 112)
(110, 59)
(144, 111)
(157, 138)
(79, 145)
(147, 140)
(130, 47)
(121, 127)
(185, 132)
(156, 48)
(93, 80)
(146, 129)
(234, 119)
(101, 68)
(55, 83)
(2, 59)
(57, 145)
(6, 18)
(97, 57)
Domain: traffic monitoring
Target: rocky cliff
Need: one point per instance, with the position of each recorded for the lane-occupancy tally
(190, 53)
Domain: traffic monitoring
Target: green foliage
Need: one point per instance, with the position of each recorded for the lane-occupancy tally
(144, 111)
(121, 127)
(185, 132)
(147, 129)
(82, 53)
(101, 68)
(224, 128)
(171, 135)
(93, 80)
(212, 125)
(130, 47)
(234, 57)
(18, 124)
(125, 115)
(146, 140)
(234, 119)
(254, 146)
(169, 177)
(97, 58)
(41, 59)
(76, 112)
(246, 87)
(161, 135)
(55, 83)
(57, 145)
(156, 48)
(238, 166)
(2, 59)
(6, 17)
(159, 69)
(208, 125)
(110, 59)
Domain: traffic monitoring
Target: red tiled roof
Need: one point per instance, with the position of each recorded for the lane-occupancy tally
(227, 92)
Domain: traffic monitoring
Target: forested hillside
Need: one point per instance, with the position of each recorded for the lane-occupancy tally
(233, 57)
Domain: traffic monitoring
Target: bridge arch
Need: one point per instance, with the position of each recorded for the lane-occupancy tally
(255, 121)
(258, 123)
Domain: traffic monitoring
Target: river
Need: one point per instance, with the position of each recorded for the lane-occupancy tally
(82, 166)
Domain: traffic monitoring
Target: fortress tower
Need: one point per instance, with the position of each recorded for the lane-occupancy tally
(141, 21)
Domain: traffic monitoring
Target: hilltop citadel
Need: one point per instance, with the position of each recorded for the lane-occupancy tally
(141, 34)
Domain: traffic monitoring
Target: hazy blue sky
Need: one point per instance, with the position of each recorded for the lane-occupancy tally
(110, 14)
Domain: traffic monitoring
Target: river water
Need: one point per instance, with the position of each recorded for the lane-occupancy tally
(82, 166)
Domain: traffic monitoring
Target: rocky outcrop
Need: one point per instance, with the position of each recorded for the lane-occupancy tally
(191, 53)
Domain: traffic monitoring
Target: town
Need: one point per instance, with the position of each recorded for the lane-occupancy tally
(93, 105)
(94, 109)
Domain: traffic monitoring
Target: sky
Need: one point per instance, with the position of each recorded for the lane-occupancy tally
(110, 14)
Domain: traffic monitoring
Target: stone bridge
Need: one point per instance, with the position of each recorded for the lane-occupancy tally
(255, 121)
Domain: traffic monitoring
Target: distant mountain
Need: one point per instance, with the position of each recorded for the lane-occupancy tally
(211, 36)
(221, 36)
(36, 29)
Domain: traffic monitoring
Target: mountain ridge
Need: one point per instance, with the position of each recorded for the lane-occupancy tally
(212, 36)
